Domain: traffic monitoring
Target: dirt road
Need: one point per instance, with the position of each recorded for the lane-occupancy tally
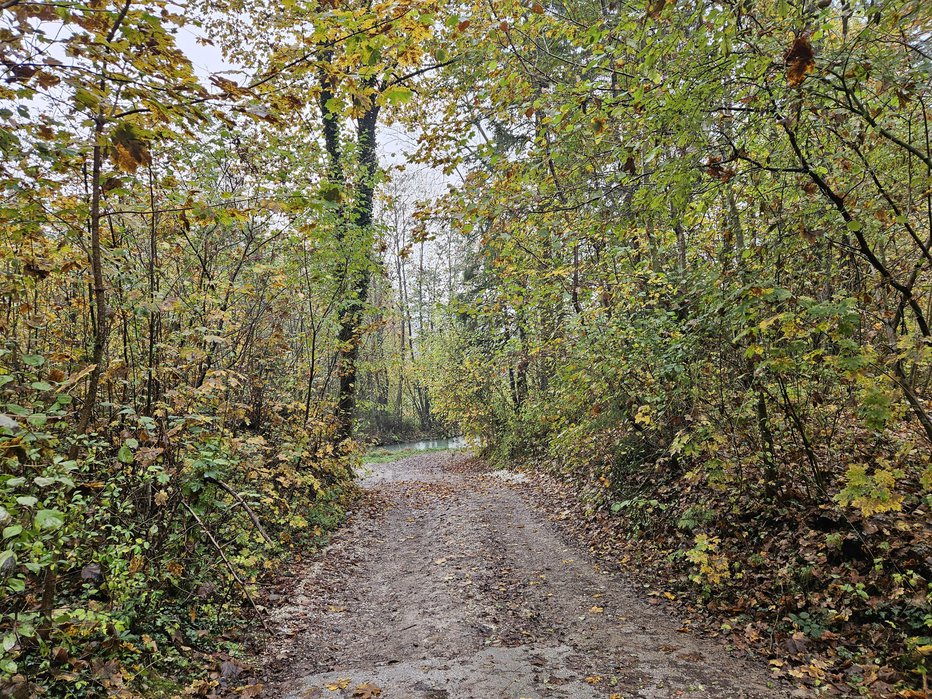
(457, 587)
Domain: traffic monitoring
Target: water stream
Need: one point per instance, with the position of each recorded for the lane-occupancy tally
(426, 444)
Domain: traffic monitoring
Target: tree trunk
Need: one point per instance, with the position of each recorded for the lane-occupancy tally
(101, 313)
(352, 317)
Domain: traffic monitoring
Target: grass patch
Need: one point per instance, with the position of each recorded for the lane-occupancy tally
(384, 456)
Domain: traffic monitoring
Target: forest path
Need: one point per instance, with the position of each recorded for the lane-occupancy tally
(452, 585)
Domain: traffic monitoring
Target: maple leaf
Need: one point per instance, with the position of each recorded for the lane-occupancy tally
(130, 149)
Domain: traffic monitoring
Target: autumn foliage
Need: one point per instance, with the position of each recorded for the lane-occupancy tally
(698, 292)
(676, 255)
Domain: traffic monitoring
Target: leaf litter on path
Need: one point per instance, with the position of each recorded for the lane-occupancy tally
(456, 587)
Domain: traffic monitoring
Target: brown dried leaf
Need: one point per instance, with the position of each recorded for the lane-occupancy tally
(800, 60)
(367, 690)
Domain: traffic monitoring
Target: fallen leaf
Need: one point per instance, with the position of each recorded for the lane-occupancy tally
(367, 690)
(8, 422)
(230, 670)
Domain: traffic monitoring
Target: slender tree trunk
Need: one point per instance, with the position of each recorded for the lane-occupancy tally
(401, 370)
(153, 313)
(680, 246)
(101, 313)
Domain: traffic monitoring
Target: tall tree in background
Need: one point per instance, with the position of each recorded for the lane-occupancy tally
(354, 61)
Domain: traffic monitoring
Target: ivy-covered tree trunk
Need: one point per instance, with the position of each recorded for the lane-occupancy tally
(351, 320)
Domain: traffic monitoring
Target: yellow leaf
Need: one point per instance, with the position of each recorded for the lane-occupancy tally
(642, 417)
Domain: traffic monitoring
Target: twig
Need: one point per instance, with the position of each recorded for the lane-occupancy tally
(229, 565)
(239, 498)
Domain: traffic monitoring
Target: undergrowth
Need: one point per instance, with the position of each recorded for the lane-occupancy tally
(130, 561)
(839, 600)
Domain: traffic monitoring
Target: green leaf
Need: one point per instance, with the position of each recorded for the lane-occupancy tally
(85, 98)
(332, 193)
(12, 530)
(398, 95)
(49, 519)
(37, 420)
(125, 454)
(26, 500)
(34, 359)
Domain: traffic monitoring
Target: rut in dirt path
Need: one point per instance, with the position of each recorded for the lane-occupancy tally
(458, 588)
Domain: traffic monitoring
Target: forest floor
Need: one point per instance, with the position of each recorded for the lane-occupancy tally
(449, 582)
